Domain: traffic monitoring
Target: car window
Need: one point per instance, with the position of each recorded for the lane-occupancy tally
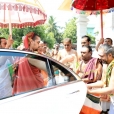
(61, 75)
(21, 73)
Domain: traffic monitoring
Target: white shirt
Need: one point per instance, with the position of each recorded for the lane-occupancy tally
(5, 79)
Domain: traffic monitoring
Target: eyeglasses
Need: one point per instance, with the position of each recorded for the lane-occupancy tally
(66, 45)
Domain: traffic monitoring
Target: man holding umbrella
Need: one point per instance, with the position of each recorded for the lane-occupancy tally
(6, 44)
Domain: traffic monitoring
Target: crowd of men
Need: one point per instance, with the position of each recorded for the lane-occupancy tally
(96, 68)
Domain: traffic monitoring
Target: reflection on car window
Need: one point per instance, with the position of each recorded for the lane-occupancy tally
(22, 74)
(5, 77)
(61, 74)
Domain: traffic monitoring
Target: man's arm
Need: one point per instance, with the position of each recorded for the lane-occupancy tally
(106, 90)
(101, 41)
(98, 84)
(37, 63)
(98, 71)
(77, 58)
(78, 70)
(9, 42)
(86, 80)
(68, 58)
(52, 53)
(59, 56)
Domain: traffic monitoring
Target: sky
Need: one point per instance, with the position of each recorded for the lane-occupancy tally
(51, 8)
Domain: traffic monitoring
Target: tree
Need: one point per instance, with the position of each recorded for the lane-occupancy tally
(50, 39)
(92, 39)
(71, 30)
(18, 33)
(39, 30)
(4, 32)
(51, 27)
(59, 37)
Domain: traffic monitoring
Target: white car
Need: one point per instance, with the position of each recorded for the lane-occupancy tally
(58, 91)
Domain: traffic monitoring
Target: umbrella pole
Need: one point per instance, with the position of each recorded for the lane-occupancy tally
(101, 17)
(10, 27)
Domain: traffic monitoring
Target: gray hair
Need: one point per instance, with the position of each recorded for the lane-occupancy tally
(107, 49)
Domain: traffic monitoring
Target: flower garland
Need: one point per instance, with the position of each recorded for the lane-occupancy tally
(97, 12)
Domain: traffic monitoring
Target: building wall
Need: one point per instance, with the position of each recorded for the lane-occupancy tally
(90, 31)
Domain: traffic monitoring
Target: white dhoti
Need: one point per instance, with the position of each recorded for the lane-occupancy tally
(111, 111)
(5, 79)
(105, 105)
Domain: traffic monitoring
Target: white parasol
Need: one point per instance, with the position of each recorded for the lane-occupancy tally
(21, 13)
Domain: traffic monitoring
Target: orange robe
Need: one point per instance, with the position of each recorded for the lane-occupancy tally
(28, 77)
(45, 77)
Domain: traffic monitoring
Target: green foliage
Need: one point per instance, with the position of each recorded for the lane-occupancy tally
(18, 33)
(17, 37)
(71, 30)
(4, 33)
(59, 37)
(48, 32)
(92, 39)
(50, 39)
(51, 27)
(40, 30)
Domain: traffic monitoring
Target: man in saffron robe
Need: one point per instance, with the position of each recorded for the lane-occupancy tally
(28, 76)
(89, 69)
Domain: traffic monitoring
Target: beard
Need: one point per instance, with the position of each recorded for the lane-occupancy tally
(85, 59)
(104, 62)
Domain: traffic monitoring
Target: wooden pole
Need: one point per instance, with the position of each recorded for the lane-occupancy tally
(101, 18)
(10, 27)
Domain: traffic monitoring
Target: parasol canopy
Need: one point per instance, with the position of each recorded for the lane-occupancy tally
(94, 5)
(21, 13)
(66, 5)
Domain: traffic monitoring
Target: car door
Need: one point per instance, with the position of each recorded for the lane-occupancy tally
(62, 91)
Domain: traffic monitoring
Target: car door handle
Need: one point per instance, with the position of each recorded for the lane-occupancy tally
(74, 92)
